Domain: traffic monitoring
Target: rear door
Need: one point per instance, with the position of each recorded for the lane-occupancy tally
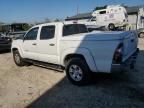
(47, 44)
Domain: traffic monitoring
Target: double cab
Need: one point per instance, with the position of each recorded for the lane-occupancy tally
(69, 46)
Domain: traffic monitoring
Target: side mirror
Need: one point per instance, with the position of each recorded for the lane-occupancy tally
(23, 37)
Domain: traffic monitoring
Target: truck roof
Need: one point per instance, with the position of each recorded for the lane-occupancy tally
(54, 23)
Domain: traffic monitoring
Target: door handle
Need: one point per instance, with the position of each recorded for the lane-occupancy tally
(51, 44)
(34, 44)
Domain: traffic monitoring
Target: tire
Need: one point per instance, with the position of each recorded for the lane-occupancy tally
(141, 35)
(18, 59)
(82, 76)
(111, 26)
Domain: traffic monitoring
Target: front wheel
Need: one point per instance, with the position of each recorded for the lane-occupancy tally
(17, 58)
(78, 71)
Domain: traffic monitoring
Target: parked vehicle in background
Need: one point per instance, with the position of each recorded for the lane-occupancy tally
(140, 23)
(111, 17)
(15, 29)
(70, 46)
(15, 35)
(5, 42)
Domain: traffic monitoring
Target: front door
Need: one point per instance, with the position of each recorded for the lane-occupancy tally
(47, 45)
(30, 44)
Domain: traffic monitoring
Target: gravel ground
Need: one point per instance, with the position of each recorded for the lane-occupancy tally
(36, 87)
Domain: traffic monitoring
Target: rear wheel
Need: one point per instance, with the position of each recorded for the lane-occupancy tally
(78, 71)
(111, 26)
(18, 59)
(141, 35)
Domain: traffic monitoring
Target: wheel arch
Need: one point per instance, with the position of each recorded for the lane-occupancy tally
(69, 56)
(17, 48)
(80, 53)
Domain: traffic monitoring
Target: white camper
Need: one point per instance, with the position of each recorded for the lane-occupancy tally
(110, 17)
(140, 22)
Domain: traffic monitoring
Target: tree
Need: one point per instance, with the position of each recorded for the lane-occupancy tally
(25, 27)
(1, 23)
(56, 20)
(47, 20)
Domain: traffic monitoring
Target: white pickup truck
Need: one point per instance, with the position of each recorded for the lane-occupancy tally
(71, 47)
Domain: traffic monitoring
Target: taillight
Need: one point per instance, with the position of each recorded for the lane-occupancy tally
(118, 54)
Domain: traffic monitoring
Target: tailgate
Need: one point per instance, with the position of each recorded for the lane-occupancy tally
(130, 44)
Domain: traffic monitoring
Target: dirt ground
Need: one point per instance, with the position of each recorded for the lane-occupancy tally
(36, 87)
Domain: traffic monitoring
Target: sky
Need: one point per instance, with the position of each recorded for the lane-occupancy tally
(38, 10)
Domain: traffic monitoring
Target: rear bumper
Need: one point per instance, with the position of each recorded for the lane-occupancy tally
(127, 65)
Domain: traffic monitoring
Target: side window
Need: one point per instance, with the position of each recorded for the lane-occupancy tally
(82, 28)
(103, 12)
(32, 34)
(47, 32)
(93, 19)
(74, 29)
(70, 29)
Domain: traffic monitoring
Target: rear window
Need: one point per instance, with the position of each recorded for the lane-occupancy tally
(74, 29)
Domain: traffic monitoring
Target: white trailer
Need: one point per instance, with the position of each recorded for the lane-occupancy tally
(140, 22)
(110, 17)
